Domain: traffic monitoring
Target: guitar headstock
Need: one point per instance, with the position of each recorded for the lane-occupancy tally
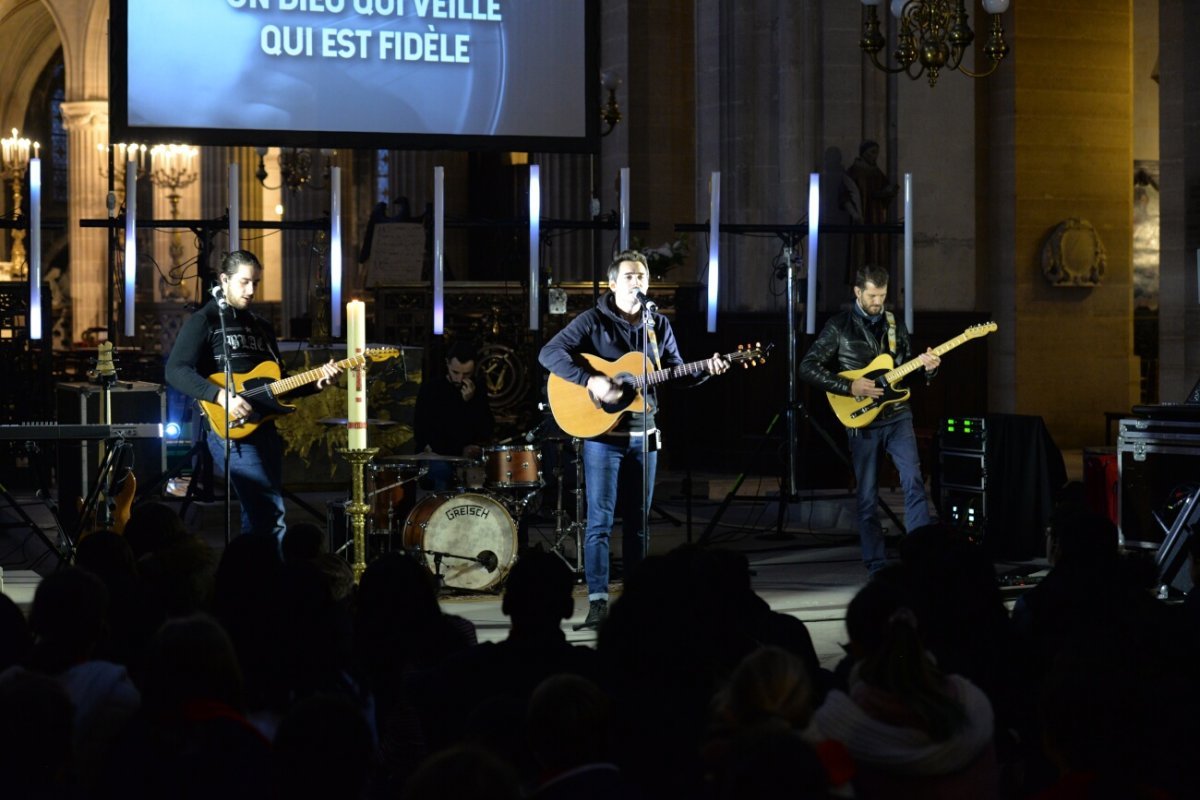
(381, 353)
(750, 355)
(982, 329)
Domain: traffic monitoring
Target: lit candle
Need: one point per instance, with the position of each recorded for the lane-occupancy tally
(356, 383)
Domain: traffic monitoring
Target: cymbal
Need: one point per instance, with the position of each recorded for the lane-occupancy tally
(380, 423)
(417, 457)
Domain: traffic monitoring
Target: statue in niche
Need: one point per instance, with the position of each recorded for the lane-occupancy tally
(1073, 254)
(870, 194)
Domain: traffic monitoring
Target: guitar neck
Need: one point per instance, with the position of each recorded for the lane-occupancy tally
(293, 382)
(658, 376)
(911, 366)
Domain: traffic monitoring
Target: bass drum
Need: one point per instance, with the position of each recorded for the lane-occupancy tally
(471, 535)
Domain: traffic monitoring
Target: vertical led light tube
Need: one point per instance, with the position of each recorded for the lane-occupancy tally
(714, 248)
(535, 217)
(35, 248)
(439, 252)
(814, 225)
(623, 238)
(335, 250)
(130, 239)
(908, 252)
(235, 234)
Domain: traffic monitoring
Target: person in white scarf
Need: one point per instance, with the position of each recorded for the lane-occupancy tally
(910, 730)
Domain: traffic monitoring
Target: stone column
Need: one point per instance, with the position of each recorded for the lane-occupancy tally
(87, 126)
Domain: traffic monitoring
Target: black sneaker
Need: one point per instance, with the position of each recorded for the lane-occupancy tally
(597, 611)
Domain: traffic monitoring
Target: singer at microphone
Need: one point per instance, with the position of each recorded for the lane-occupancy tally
(620, 459)
(208, 342)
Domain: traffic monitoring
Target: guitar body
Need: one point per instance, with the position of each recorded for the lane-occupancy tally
(580, 414)
(856, 413)
(266, 406)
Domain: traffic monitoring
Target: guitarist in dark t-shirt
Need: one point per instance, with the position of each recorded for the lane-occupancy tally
(255, 459)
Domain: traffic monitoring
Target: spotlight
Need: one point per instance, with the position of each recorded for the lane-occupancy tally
(172, 430)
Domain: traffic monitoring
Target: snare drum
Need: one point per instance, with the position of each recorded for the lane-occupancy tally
(391, 493)
(512, 465)
(471, 535)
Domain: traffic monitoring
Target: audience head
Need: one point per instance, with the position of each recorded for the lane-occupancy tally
(303, 541)
(36, 718)
(463, 773)
(69, 618)
(884, 637)
(770, 687)
(152, 526)
(539, 588)
(15, 639)
(1081, 538)
(190, 658)
(322, 749)
(568, 722)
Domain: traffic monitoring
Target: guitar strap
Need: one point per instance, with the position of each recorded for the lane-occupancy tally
(653, 345)
(891, 331)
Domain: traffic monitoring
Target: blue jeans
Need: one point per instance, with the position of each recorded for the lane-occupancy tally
(898, 441)
(256, 475)
(612, 474)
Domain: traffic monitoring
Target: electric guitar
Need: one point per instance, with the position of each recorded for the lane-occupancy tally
(855, 412)
(582, 415)
(262, 386)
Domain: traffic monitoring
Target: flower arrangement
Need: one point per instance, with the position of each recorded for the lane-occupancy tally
(663, 258)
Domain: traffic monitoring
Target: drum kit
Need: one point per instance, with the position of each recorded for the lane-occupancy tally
(468, 536)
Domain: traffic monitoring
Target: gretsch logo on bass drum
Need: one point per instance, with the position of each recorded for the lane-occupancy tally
(467, 511)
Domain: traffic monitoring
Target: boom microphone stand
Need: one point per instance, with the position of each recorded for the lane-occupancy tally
(222, 305)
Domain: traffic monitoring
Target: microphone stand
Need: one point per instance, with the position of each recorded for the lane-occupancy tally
(222, 304)
(647, 324)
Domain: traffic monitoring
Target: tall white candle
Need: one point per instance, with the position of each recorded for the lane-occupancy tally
(356, 380)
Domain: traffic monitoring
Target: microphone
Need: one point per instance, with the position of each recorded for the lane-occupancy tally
(219, 295)
(646, 302)
(488, 560)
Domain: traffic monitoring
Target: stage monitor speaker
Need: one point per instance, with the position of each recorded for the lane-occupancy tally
(78, 462)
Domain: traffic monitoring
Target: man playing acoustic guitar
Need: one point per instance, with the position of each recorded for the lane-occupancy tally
(849, 341)
(612, 461)
(196, 363)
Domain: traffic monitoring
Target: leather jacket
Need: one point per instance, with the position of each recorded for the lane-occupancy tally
(846, 343)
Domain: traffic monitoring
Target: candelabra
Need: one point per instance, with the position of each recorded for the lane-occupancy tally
(15, 154)
(173, 168)
(358, 507)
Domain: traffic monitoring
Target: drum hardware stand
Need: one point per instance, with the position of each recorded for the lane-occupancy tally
(358, 508)
(573, 530)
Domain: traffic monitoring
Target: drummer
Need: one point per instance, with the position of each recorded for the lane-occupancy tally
(452, 416)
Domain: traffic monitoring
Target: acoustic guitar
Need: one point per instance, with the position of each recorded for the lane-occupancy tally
(855, 412)
(262, 387)
(581, 414)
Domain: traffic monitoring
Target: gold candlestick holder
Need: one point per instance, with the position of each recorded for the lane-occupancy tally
(358, 507)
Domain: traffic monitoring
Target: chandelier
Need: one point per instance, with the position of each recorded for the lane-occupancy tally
(296, 168)
(933, 35)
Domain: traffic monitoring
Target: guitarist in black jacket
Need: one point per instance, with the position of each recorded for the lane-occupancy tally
(850, 340)
(255, 460)
(612, 463)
